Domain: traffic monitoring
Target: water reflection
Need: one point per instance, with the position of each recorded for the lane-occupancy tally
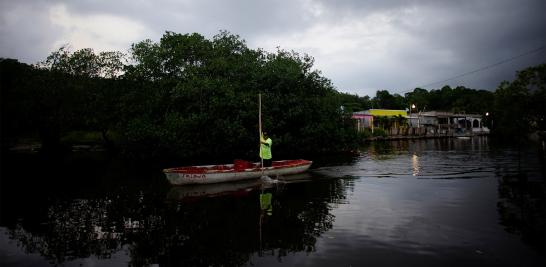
(440, 202)
(72, 230)
(522, 194)
(415, 164)
(210, 230)
(423, 159)
(522, 207)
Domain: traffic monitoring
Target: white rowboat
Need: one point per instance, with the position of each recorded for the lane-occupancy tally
(240, 170)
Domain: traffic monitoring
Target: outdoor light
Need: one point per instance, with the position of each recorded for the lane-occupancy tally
(412, 105)
(487, 114)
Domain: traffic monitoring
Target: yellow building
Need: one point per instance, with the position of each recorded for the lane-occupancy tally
(365, 119)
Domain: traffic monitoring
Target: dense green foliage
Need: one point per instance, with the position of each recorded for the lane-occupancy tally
(185, 97)
(520, 106)
(191, 98)
(459, 99)
(207, 99)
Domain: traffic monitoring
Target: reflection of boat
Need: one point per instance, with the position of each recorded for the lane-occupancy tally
(212, 190)
(232, 188)
(240, 170)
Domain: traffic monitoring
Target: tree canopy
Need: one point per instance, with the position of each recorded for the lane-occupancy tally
(185, 97)
(519, 106)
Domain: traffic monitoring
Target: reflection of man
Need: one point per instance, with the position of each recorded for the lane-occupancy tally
(265, 203)
(265, 149)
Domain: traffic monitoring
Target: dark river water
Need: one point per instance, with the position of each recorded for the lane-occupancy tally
(441, 202)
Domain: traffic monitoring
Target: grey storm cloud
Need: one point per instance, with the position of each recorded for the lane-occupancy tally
(362, 46)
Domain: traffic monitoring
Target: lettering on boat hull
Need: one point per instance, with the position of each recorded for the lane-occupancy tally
(195, 176)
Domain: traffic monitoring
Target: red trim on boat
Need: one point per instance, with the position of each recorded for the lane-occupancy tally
(238, 166)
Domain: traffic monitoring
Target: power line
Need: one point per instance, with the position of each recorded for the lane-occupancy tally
(482, 68)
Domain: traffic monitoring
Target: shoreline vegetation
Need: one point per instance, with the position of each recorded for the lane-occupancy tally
(192, 99)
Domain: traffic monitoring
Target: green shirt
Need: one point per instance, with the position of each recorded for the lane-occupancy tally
(265, 149)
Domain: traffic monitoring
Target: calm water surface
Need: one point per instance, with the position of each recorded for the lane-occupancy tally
(449, 202)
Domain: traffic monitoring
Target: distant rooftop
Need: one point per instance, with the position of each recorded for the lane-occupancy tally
(404, 113)
(383, 112)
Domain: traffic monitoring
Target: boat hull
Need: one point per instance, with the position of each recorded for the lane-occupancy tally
(233, 188)
(212, 174)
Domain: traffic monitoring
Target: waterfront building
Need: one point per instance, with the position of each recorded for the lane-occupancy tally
(423, 123)
(370, 119)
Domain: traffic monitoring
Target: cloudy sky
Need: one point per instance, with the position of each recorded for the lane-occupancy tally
(361, 46)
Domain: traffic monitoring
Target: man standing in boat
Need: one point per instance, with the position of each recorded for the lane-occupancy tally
(265, 149)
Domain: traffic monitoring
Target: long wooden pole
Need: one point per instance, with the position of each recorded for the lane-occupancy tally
(260, 125)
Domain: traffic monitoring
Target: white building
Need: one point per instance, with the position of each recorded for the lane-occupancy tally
(446, 122)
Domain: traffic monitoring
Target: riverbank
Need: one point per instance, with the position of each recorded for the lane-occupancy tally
(31, 147)
(393, 138)
(425, 135)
